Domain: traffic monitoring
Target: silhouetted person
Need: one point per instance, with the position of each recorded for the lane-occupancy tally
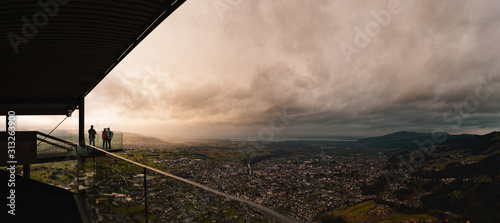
(110, 136)
(104, 138)
(92, 134)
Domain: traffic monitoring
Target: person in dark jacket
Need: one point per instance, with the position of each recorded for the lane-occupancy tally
(110, 136)
(104, 138)
(92, 134)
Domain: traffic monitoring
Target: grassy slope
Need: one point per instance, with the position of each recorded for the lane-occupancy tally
(359, 212)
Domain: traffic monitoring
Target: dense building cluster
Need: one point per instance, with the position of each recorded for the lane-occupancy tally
(299, 186)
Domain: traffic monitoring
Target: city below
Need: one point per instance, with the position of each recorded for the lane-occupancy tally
(369, 180)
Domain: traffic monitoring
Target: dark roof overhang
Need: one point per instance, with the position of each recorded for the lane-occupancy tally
(54, 52)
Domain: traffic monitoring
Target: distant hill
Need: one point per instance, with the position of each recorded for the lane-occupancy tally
(404, 140)
(134, 139)
(461, 176)
(477, 144)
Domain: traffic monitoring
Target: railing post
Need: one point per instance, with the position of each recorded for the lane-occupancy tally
(81, 123)
(146, 194)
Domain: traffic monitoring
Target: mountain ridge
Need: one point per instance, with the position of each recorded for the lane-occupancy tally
(406, 140)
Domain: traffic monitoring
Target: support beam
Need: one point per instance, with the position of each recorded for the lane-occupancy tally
(81, 122)
(38, 101)
(146, 193)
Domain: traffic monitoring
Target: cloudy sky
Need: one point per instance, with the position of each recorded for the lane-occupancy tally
(227, 68)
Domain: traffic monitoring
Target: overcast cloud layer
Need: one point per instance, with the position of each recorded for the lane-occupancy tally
(218, 68)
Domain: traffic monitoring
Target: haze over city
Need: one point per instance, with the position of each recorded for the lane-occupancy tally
(223, 68)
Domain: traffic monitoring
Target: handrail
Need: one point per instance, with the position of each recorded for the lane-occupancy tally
(57, 139)
(267, 210)
(56, 145)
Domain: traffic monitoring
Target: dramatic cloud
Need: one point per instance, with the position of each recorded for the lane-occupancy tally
(432, 64)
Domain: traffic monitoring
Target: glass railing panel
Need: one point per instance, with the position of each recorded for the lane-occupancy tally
(171, 200)
(49, 148)
(61, 174)
(86, 168)
(116, 142)
(118, 190)
(114, 190)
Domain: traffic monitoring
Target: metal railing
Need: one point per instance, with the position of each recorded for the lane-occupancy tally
(57, 159)
(117, 189)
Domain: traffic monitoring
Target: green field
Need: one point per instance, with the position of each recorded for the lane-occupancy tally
(359, 213)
